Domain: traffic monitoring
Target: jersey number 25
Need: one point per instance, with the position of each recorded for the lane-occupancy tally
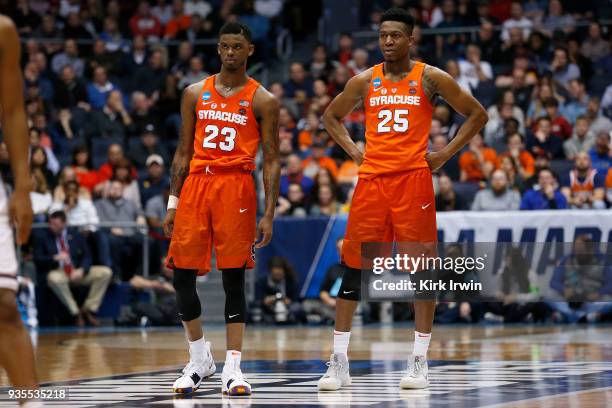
(212, 131)
(400, 121)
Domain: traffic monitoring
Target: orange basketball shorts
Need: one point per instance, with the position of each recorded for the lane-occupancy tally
(215, 209)
(396, 207)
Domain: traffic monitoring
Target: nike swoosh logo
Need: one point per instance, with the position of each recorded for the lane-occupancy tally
(243, 210)
(423, 207)
(206, 103)
(377, 89)
(347, 292)
(232, 316)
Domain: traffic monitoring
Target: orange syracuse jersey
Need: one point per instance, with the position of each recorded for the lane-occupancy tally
(397, 122)
(226, 131)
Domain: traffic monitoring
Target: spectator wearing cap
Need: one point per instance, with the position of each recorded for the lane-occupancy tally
(545, 195)
(155, 181)
(293, 174)
(122, 172)
(582, 139)
(543, 141)
(600, 153)
(64, 258)
(125, 244)
(477, 163)
(149, 145)
(579, 101)
(560, 127)
(112, 121)
(115, 153)
(318, 158)
(583, 186)
(522, 160)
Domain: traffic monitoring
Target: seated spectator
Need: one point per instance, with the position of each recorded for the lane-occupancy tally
(293, 174)
(144, 23)
(121, 173)
(149, 145)
(99, 88)
(278, 292)
(115, 154)
(545, 195)
(536, 107)
(326, 202)
(85, 173)
(499, 197)
(156, 209)
(447, 199)
(582, 139)
(70, 91)
(295, 204)
(477, 163)
(38, 164)
(508, 166)
(563, 71)
(557, 20)
(318, 159)
(584, 278)
(112, 120)
(299, 86)
(309, 129)
(142, 115)
(155, 181)
(595, 47)
(517, 20)
(499, 114)
(584, 186)
(40, 196)
(600, 152)
(63, 257)
(50, 161)
(194, 74)
(579, 101)
(68, 174)
(321, 98)
(69, 57)
(276, 88)
(179, 20)
(473, 69)
(560, 127)
(597, 121)
(80, 211)
(320, 67)
(521, 158)
(125, 243)
(542, 140)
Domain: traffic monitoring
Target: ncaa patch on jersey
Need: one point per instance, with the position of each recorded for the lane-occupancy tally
(244, 103)
(206, 96)
(377, 82)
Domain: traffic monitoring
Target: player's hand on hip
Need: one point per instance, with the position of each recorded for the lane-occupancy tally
(264, 232)
(435, 160)
(169, 222)
(20, 211)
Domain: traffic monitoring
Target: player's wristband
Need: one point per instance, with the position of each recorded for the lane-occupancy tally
(173, 202)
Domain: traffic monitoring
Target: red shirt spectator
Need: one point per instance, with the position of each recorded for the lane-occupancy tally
(560, 127)
(144, 23)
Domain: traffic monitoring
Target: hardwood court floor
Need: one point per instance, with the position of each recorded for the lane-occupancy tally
(470, 366)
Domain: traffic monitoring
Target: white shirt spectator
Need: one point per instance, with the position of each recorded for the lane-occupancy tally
(84, 214)
(199, 7)
(523, 23)
(468, 72)
(40, 202)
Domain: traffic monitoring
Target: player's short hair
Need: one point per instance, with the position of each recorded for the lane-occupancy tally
(398, 14)
(235, 27)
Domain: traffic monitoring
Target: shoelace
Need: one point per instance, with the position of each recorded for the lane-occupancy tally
(333, 367)
(417, 366)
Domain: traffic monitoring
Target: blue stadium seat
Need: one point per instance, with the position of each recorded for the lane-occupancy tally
(561, 167)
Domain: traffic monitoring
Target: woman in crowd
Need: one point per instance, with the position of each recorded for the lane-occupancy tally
(122, 173)
(86, 175)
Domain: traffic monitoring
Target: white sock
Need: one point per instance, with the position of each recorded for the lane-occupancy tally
(196, 350)
(421, 343)
(341, 342)
(232, 358)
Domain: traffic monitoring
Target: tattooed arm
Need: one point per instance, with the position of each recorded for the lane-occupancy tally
(184, 151)
(266, 108)
(438, 82)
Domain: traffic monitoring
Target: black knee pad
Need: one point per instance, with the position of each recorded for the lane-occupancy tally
(350, 288)
(186, 294)
(235, 299)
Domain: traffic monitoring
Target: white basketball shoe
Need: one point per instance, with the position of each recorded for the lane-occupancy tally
(416, 376)
(233, 382)
(337, 375)
(194, 372)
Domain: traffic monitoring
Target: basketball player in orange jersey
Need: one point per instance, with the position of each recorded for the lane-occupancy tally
(16, 354)
(394, 198)
(225, 116)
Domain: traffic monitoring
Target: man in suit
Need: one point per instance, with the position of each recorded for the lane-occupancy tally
(63, 255)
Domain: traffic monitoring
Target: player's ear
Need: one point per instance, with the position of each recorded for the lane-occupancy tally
(218, 49)
(251, 49)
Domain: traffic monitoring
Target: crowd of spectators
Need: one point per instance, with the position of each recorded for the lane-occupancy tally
(103, 81)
